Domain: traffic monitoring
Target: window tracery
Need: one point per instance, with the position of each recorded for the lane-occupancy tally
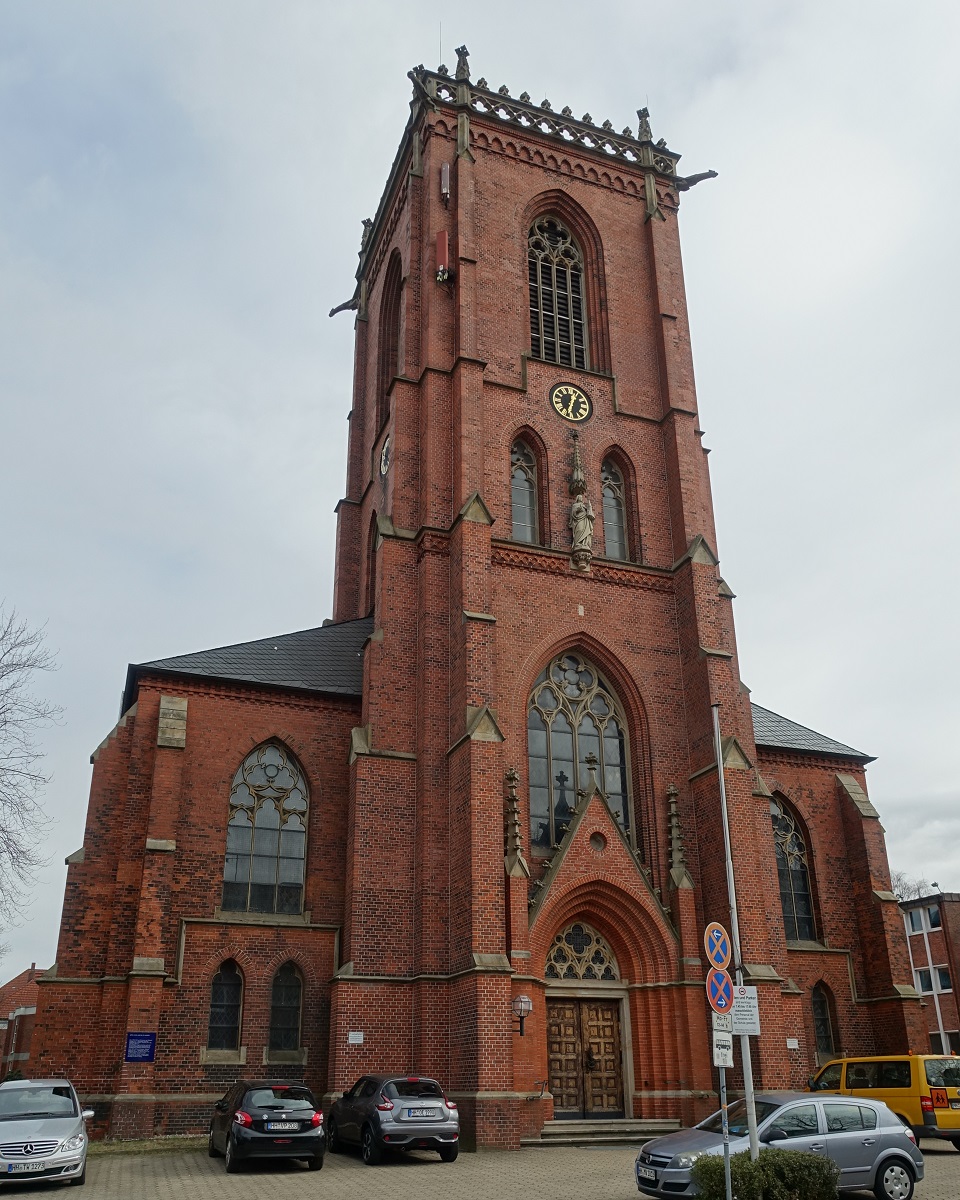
(523, 494)
(796, 898)
(557, 320)
(266, 834)
(572, 714)
(614, 511)
(579, 952)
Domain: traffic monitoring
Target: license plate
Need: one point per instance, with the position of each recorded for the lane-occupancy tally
(421, 1112)
(25, 1168)
(283, 1125)
(955, 1103)
(647, 1173)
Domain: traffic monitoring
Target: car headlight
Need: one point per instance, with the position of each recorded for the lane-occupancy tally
(74, 1143)
(684, 1161)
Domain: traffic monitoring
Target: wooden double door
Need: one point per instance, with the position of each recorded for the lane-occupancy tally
(585, 1058)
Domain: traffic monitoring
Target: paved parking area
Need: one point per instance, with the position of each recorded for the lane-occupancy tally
(554, 1174)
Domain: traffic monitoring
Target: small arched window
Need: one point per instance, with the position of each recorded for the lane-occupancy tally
(572, 715)
(796, 897)
(523, 494)
(823, 1021)
(557, 316)
(266, 834)
(614, 511)
(285, 1002)
(226, 1000)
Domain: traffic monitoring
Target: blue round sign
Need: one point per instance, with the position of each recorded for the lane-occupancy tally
(720, 990)
(716, 942)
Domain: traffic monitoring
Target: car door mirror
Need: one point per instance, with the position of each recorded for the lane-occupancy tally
(220, 1106)
(810, 1081)
(88, 1114)
(774, 1135)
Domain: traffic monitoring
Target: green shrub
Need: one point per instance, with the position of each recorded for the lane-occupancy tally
(776, 1175)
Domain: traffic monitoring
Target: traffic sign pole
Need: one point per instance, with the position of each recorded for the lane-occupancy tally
(735, 931)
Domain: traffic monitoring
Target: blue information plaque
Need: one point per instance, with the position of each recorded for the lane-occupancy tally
(141, 1047)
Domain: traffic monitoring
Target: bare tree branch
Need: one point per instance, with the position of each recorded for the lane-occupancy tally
(905, 887)
(23, 822)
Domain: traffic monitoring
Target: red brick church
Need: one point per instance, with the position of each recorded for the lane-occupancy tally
(492, 773)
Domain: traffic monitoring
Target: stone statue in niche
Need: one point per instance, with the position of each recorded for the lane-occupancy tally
(581, 514)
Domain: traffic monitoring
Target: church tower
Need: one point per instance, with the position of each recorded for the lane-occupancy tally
(534, 799)
(489, 784)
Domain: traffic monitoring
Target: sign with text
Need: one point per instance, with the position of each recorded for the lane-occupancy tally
(355, 1037)
(746, 1010)
(722, 1022)
(722, 1049)
(141, 1047)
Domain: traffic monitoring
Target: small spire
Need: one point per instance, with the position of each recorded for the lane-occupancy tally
(514, 861)
(463, 67)
(644, 133)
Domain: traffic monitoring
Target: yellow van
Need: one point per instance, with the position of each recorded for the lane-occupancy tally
(922, 1089)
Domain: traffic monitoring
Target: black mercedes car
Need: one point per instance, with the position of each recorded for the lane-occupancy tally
(260, 1118)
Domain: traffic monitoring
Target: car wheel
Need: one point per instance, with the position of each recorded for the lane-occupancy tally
(334, 1144)
(895, 1181)
(232, 1162)
(369, 1149)
(315, 1163)
(81, 1179)
(211, 1148)
(449, 1153)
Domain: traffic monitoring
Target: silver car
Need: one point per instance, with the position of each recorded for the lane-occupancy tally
(42, 1131)
(871, 1146)
(394, 1112)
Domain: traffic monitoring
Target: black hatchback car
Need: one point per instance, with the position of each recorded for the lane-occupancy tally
(261, 1118)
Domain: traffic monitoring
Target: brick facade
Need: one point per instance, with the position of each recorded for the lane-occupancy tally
(414, 931)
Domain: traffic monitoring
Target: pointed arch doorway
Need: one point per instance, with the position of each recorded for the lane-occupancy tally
(586, 1026)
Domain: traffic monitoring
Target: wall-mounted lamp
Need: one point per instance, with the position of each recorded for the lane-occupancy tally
(522, 1007)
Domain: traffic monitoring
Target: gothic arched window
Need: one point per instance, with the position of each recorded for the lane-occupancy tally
(796, 898)
(266, 834)
(572, 715)
(557, 318)
(579, 952)
(388, 350)
(614, 511)
(226, 999)
(285, 999)
(523, 494)
(822, 1021)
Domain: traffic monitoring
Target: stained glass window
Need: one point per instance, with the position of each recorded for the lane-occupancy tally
(557, 322)
(579, 952)
(266, 834)
(523, 493)
(285, 1009)
(795, 895)
(572, 714)
(614, 512)
(226, 995)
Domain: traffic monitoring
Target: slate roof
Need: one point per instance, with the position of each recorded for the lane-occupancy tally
(329, 659)
(325, 659)
(770, 729)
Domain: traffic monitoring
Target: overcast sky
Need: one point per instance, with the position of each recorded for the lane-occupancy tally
(181, 189)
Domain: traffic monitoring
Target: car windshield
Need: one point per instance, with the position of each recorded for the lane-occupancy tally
(943, 1072)
(285, 1099)
(737, 1117)
(41, 1100)
(413, 1089)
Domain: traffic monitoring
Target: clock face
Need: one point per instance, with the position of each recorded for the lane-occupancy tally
(385, 457)
(570, 402)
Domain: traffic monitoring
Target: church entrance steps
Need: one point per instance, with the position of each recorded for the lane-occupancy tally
(600, 1133)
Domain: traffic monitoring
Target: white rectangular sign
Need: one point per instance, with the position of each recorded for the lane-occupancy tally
(746, 1010)
(722, 1022)
(355, 1038)
(722, 1049)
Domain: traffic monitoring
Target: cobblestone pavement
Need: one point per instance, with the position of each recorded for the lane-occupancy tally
(554, 1174)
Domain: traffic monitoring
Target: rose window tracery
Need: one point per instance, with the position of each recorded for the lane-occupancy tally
(579, 952)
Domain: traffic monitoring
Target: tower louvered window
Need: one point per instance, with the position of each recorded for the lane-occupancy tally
(573, 714)
(266, 834)
(796, 898)
(614, 511)
(557, 318)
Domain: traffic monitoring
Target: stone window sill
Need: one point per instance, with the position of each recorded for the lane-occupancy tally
(285, 1057)
(235, 1058)
(255, 918)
